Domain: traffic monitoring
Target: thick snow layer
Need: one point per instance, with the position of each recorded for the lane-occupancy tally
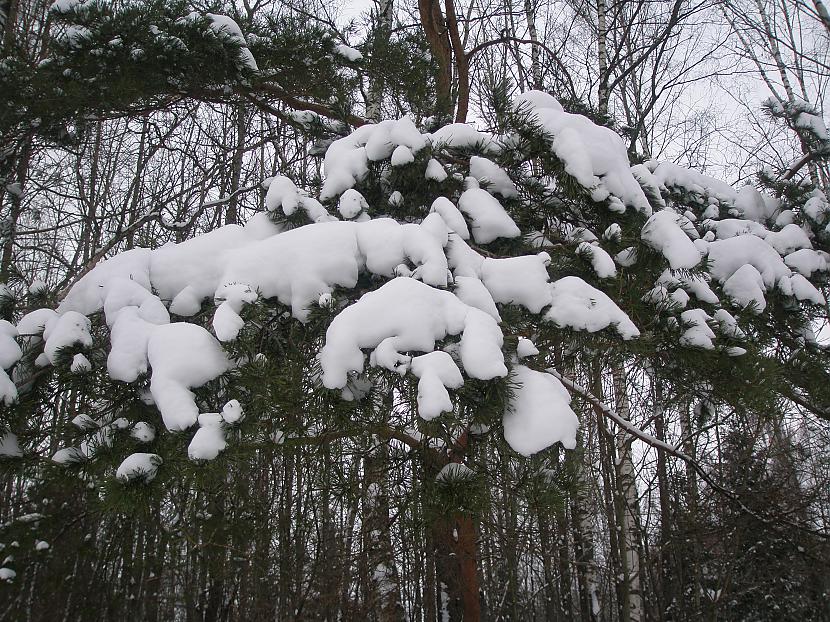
(493, 176)
(139, 466)
(790, 239)
(462, 136)
(405, 315)
(663, 232)
(539, 414)
(437, 372)
(594, 155)
(183, 356)
(347, 159)
(471, 291)
(489, 219)
(727, 256)
(284, 195)
(675, 177)
(579, 306)
(518, 280)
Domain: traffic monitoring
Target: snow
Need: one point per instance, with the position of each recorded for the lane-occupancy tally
(401, 156)
(518, 280)
(697, 333)
(579, 306)
(437, 372)
(41, 545)
(493, 177)
(348, 53)
(663, 232)
(10, 351)
(209, 440)
(489, 219)
(65, 331)
(790, 239)
(143, 432)
(454, 472)
(593, 155)
(462, 136)
(806, 261)
(746, 288)
(727, 256)
(68, 455)
(539, 413)
(183, 356)
(7, 574)
(226, 27)
(526, 348)
(406, 315)
(435, 172)
(232, 412)
(452, 216)
(80, 364)
(471, 291)
(351, 204)
(138, 467)
(600, 260)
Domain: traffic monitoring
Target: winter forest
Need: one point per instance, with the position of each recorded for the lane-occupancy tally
(423, 310)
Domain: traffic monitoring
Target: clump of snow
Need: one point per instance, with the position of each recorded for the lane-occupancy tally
(663, 232)
(209, 440)
(351, 204)
(143, 432)
(435, 172)
(68, 455)
(526, 348)
(593, 155)
(226, 27)
(539, 414)
(600, 260)
(182, 356)
(232, 412)
(579, 306)
(437, 372)
(462, 136)
(697, 333)
(348, 53)
(746, 288)
(139, 467)
(405, 315)
(489, 219)
(80, 364)
(493, 176)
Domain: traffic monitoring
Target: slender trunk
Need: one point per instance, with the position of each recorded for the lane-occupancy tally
(232, 211)
(602, 58)
(432, 20)
(630, 501)
(535, 64)
(383, 598)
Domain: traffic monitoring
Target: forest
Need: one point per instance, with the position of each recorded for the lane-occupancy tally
(414, 310)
